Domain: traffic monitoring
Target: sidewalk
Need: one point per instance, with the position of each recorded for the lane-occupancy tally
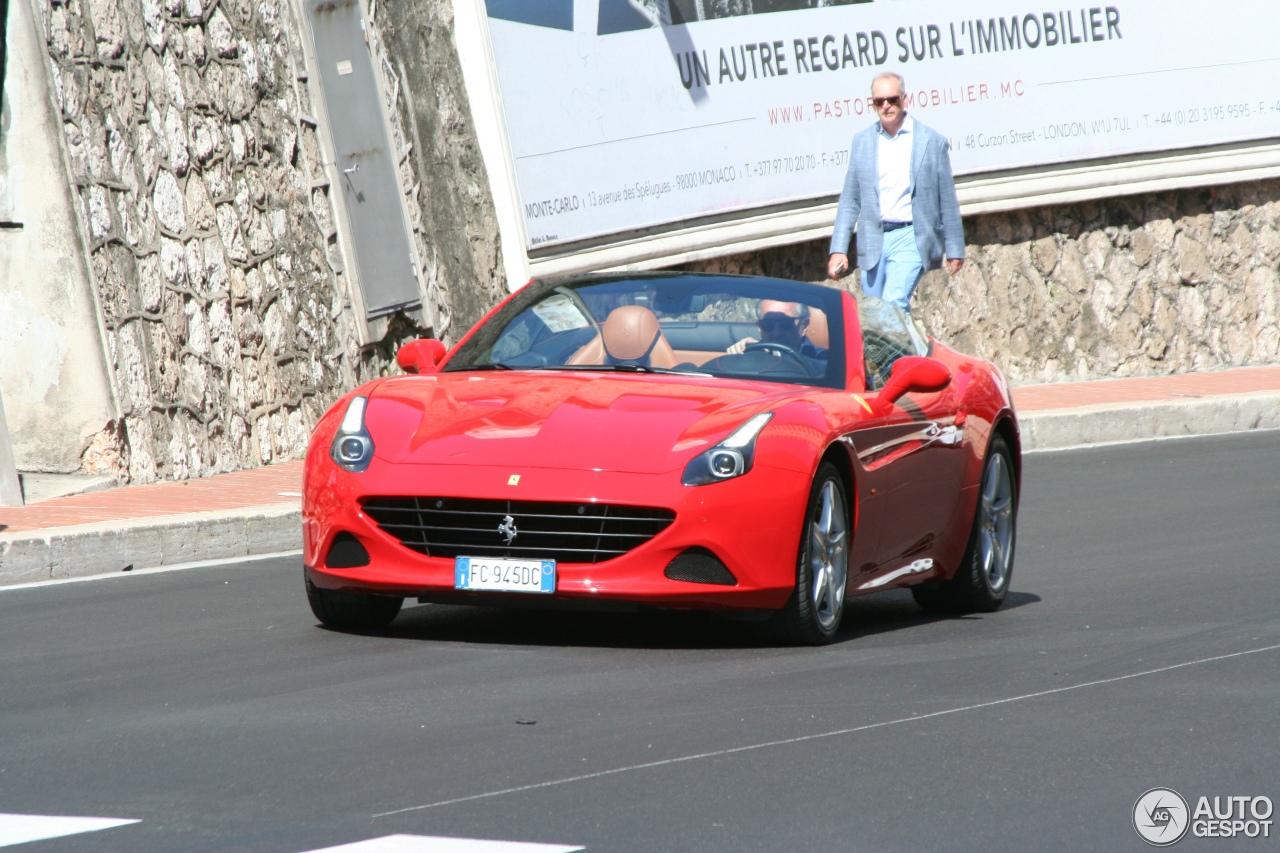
(257, 511)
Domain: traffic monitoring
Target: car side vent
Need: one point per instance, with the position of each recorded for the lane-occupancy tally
(346, 552)
(698, 565)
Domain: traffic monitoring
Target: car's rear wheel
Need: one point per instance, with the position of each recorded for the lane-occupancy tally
(982, 580)
(352, 611)
(812, 615)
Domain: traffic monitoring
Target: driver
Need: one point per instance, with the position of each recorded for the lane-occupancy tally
(785, 323)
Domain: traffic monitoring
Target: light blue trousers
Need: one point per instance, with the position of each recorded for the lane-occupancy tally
(895, 276)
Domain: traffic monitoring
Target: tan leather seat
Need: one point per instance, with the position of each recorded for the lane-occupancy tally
(817, 332)
(630, 335)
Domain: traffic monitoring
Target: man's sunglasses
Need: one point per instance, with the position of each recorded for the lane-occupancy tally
(894, 101)
(777, 322)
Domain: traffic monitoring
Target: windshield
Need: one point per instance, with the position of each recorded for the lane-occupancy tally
(888, 333)
(717, 326)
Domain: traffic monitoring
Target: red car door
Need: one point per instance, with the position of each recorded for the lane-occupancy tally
(912, 465)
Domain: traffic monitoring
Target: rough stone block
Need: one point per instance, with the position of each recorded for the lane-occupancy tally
(222, 38)
(168, 203)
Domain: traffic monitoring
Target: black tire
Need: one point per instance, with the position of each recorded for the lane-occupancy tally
(347, 611)
(982, 580)
(812, 614)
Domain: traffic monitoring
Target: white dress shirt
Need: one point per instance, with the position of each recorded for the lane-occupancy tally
(893, 154)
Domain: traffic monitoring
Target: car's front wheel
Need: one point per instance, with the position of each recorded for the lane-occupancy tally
(812, 615)
(347, 611)
(982, 581)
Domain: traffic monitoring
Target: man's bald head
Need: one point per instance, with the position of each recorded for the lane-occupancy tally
(782, 322)
(792, 309)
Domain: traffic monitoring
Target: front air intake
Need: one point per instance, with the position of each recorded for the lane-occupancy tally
(698, 565)
(522, 530)
(346, 552)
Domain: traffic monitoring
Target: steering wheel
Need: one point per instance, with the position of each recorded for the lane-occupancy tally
(780, 351)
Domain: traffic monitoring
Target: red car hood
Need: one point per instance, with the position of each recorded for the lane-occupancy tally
(592, 421)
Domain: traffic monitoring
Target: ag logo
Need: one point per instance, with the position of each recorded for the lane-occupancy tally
(1161, 816)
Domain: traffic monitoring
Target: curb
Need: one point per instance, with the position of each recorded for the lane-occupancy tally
(108, 547)
(1058, 429)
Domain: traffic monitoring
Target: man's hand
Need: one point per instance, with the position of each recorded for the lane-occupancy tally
(837, 266)
(954, 265)
(741, 346)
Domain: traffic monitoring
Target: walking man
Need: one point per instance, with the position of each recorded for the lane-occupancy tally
(900, 195)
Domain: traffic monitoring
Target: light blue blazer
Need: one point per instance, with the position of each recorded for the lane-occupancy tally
(934, 209)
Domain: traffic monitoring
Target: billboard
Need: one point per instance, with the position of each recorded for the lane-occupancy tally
(627, 115)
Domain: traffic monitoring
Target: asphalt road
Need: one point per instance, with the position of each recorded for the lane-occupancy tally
(1140, 647)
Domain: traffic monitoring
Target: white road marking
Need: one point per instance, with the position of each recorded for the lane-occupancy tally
(820, 735)
(21, 828)
(440, 844)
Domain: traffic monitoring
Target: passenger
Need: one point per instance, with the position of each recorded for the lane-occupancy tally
(785, 323)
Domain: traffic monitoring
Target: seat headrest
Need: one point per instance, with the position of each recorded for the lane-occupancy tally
(817, 333)
(630, 332)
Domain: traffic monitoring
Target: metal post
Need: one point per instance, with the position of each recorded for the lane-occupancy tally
(10, 485)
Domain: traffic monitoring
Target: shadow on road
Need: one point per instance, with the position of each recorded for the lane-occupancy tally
(895, 610)
(884, 612)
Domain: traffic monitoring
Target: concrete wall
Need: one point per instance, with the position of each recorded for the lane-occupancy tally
(444, 167)
(1137, 285)
(58, 398)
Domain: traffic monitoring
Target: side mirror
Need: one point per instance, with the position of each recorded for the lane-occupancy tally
(420, 356)
(914, 374)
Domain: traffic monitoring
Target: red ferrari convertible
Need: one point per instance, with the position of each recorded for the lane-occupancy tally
(668, 440)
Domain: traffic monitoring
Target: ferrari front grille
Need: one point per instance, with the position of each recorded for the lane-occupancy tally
(528, 530)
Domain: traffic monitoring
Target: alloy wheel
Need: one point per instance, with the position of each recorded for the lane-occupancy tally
(828, 563)
(995, 529)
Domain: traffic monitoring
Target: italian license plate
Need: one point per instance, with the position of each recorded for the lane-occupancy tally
(499, 575)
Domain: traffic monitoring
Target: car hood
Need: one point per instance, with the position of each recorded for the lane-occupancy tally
(584, 421)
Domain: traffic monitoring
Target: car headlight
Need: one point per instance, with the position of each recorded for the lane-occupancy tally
(731, 458)
(352, 447)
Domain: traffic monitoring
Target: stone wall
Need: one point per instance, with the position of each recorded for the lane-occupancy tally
(212, 244)
(1136, 285)
(186, 127)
